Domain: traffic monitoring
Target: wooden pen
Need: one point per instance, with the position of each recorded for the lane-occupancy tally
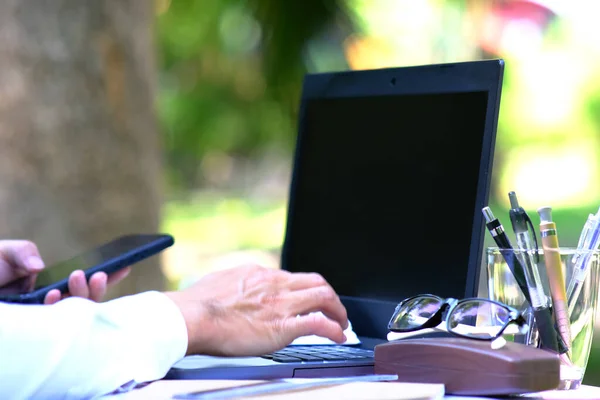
(554, 270)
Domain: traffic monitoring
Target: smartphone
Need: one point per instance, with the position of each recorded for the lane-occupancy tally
(109, 257)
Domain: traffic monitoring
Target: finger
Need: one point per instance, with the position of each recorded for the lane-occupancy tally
(18, 258)
(18, 285)
(28, 283)
(118, 276)
(23, 255)
(312, 324)
(305, 280)
(98, 286)
(52, 297)
(78, 284)
(321, 298)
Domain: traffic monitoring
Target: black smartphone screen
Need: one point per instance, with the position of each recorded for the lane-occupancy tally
(122, 248)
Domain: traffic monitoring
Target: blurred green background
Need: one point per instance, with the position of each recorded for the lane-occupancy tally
(230, 74)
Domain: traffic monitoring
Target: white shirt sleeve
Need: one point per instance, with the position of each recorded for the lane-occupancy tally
(81, 349)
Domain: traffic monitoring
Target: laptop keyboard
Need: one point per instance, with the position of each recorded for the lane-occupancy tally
(318, 353)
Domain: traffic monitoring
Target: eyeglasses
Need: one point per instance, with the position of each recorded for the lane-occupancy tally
(474, 318)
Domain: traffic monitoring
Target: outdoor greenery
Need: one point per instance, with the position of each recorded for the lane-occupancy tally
(231, 74)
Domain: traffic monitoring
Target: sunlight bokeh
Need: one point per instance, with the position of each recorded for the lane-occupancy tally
(547, 145)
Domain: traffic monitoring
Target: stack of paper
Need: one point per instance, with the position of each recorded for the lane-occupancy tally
(356, 390)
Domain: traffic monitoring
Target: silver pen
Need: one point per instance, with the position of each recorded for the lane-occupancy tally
(527, 251)
(527, 254)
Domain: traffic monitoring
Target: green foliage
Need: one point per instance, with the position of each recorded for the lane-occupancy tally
(227, 224)
(288, 27)
(231, 73)
(212, 89)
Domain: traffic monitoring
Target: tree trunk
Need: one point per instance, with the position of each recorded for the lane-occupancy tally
(80, 159)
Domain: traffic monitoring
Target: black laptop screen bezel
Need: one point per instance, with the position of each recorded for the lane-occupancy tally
(473, 76)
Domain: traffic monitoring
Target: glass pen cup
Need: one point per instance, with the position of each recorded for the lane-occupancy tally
(503, 287)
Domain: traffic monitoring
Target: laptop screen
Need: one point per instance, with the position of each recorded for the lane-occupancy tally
(387, 187)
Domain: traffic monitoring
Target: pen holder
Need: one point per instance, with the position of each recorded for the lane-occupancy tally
(503, 287)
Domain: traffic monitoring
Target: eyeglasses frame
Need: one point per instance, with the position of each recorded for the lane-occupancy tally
(446, 308)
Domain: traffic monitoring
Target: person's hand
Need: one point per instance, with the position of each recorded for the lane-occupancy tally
(252, 310)
(20, 262)
(94, 289)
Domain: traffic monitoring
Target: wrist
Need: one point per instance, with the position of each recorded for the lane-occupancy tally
(196, 321)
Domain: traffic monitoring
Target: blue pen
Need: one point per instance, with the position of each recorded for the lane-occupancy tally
(585, 232)
(588, 241)
(582, 244)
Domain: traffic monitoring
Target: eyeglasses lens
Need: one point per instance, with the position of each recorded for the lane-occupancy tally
(478, 319)
(414, 313)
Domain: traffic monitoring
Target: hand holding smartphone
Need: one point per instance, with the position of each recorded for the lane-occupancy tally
(109, 257)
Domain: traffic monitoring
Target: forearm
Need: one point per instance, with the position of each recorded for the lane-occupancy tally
(86, 349)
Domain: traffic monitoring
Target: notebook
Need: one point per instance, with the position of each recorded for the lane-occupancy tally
(391, 170)
(165, 389)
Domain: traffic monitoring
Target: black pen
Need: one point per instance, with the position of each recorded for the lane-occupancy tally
(542, 315)
(529, 257)
(499, 235)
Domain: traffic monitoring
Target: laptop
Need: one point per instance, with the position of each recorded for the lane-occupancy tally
(392, 168)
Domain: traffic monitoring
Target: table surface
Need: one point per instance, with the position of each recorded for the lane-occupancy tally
(583, 393)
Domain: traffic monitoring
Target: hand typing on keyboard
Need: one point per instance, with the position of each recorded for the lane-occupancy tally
(251, 310)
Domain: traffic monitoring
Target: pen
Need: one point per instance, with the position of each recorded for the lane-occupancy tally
(523, 229)
(499, 235)
(589, 240)
(554, 270)
(584, 238)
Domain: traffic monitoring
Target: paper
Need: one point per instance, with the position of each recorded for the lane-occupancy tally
(201, 361)
(355, 391)
(278, 386)
(351, 339)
